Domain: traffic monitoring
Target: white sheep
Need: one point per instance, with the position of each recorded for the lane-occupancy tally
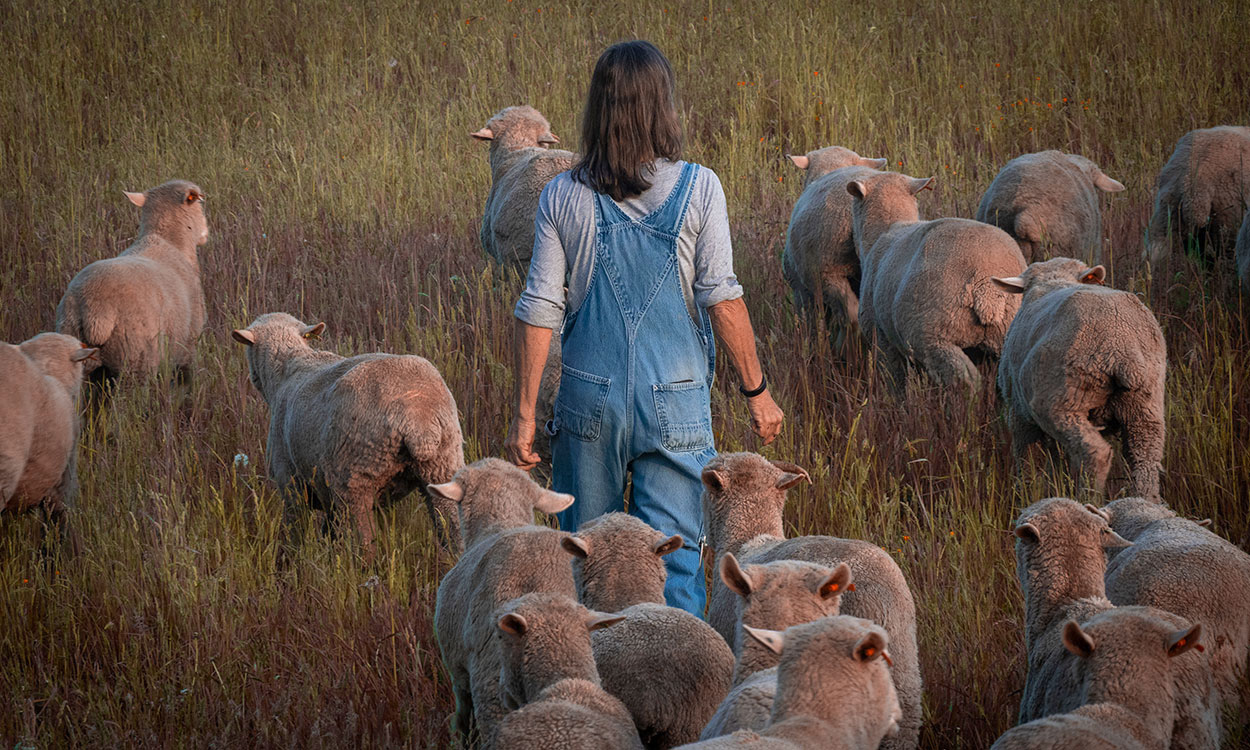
(40, 380)
(743, 498)
(147, 304)
(1127, 660)
(505, 557)
(1048, 202)
(1080, 360)
(618, 567)
(1203, 190)
(1178, 566)
(927, 295)
(819, 260)
(834, 689)
(1241, 254)
(775, 596)
(352, 432)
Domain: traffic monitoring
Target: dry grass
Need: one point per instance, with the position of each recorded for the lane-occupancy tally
(332, 143)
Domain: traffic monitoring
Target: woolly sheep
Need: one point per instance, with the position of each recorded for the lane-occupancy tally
(1127, 658)
(1179, 566)
(39, 384)
(352, 432)
(505, 557)
(775, 596)
(743, 498)
(1204, 189)
(618, 567)
(819, 260)
(927, 296)
(1242, 254)
(147, 304)
(1060, 564)
(1048, 202)
(1081, 359)
(833, 689)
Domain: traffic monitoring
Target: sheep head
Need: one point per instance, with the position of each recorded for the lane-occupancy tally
(64, 358)
(618, 561)
(517, 127)
(492, 494)
(878, 201)
(743, 494)
(825, 160)
(1048, 275)
(175, 211)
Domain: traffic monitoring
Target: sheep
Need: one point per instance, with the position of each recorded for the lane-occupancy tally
(548, 676)
(1081, 359)
(1178, 566)
(1048, 202)
(618, 567)
(147, 304)
(743, 498)
(926, 296)
(773, 596)
(833, 689)
(40, 380)
(505, 557)
(352, 432)
(819, 260)
(1203, 190)
(1242, 254)
(1060, 564)
(1128, 683)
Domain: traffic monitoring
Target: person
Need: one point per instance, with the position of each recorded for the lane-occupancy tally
(643, 241)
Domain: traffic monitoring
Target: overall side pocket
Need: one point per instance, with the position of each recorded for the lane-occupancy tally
(580, 402)
(684, 414)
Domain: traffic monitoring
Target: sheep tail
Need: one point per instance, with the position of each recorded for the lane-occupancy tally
(989, 304)
(91, 327)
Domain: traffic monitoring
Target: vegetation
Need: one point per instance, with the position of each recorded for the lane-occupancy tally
(342, 186)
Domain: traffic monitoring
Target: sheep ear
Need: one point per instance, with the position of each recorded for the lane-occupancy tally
(802, 162)
(553, 502)
(547, 139)
(1076, 640)
(576, 546)
(1094, 275)
(483, 135)
(243, 336)
(1028, 532)
(1013, 284)
(920, 183)
(1107, 185)
(84, 353)
(1104, 515)
(672, 544)
(734, 576)
(136, 198)
(791, 476)
(1183, 640)
(874, 163)
(838, 582)
(313, 331)
(871, 646)
(856, 189)
(598, 620)
(1204, 523)
(773, 640)
(714, 480)
(513, 624)
(1113, 540)
(452, 491)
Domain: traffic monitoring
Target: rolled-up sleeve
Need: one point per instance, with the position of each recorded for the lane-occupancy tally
(714, 279)
(542, 302)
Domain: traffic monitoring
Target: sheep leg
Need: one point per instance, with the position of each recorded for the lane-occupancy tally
(948, 365)
(1142, 438)
(361, 507)
(1088, 453)
(841, 310)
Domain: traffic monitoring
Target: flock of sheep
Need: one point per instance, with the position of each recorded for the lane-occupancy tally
(563, 640)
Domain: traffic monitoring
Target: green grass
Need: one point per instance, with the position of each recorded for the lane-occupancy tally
(342, 186)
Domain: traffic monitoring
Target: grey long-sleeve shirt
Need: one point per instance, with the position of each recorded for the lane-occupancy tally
(564, 244)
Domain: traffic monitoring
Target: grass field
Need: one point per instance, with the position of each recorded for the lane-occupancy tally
(342, 186)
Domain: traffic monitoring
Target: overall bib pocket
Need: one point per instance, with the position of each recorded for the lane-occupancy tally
(579, 403)
(684, 414)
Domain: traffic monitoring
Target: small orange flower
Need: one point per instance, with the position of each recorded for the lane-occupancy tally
(815, 72)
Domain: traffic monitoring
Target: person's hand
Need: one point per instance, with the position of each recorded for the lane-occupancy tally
(519, 445)
(766, 416)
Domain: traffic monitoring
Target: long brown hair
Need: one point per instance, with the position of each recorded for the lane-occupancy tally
(630, 119)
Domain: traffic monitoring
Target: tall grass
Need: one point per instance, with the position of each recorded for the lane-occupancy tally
(332, 143)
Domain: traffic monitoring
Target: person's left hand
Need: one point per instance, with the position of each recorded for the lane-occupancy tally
(519, 445)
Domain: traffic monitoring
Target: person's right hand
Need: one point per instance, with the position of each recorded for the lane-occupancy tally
(766, 416)
(519, 445)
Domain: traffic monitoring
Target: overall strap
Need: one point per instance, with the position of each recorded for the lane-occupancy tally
(669, 217)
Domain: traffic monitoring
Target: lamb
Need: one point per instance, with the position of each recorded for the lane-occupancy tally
(927, 296)
(1127, 659)
(1060, 563)
(505, 557)
(40, 380)
(773, 596)
(1048, 202)
(1177, 565)
(548, 675)
(353, 432)
(1081, 359)
(147, 304)
(833, 689)
(819, 260)
(743, 498)
(1203, 190)
(1242, 254)
(618, 567)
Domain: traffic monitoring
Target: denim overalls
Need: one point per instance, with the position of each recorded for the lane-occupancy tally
(635, 388)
